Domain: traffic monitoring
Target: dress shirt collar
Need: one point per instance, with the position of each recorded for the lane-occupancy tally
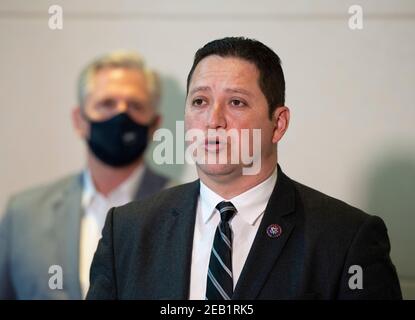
(129, 186)
(250, 204)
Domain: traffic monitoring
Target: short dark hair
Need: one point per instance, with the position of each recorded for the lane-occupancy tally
(271, 76)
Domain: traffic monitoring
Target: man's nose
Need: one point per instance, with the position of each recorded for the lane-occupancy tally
(122, 106)
(217, 117)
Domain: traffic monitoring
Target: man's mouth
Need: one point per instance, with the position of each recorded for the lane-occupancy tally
(214, 144)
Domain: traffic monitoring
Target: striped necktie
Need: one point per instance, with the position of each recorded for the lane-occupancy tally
(219, 279)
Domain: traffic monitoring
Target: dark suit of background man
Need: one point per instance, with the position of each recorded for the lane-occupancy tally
(60, 224)
(235, 236)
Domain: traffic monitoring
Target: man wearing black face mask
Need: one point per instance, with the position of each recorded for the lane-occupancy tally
(118, 141)
(60, 224)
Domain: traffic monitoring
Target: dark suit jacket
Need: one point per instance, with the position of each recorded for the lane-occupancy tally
(146, 249)
(41, 228)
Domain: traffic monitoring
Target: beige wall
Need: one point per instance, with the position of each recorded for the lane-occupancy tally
(351, 93)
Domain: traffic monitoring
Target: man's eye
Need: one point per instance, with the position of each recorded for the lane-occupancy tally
(135, 105)
(198, 102)
(237, 103)
(108, 104)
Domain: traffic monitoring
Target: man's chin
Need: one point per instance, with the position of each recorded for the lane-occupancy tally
(218, 170)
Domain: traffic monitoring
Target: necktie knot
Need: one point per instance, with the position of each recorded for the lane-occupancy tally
(227, 210)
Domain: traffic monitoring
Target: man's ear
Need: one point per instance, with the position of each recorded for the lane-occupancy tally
(79, 123)
(281, 119)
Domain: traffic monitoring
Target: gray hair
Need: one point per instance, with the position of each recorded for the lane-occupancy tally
(118, 59)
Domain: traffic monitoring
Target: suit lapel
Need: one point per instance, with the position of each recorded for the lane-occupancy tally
(67, 232)
(265, 250)
(180, 226)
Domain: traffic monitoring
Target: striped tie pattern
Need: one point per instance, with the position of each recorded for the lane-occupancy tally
(219, 278)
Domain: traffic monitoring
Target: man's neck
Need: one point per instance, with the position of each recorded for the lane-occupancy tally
(230, 186)
(107, 178)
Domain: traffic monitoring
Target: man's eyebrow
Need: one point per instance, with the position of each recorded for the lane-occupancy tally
(229, 90)
(238, 90)
(201, 88)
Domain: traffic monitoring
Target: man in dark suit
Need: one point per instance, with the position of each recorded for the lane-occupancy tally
(238, 235)
(49, 234)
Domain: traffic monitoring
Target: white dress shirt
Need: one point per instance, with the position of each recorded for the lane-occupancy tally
(95, 207)
(250, 207)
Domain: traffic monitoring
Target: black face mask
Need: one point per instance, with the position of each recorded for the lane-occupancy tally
(118, 141)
